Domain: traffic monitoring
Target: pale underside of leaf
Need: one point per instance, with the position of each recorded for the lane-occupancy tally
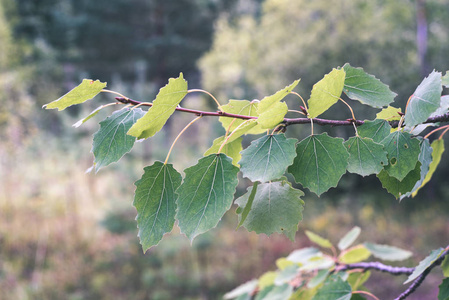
(163, 107)
(424, 264)
(111, 142)
(155, 202)
(268, 157)
(83, 92)
(386, 252)
(425, 100)
(205, 194)
(366, 88)
(349, 238)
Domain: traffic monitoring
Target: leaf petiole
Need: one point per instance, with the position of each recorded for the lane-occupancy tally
(179, 135)
(206, 92)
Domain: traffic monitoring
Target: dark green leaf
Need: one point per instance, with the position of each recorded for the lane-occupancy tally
(268, 157)
(249, 204)
(386, 252)
(365, 156)
(320, 162)
(326, 92)
(111, 142)
(83, 92)
(403, 152)
(376, 130)
(398, 188)
(437, 152)
(349, 238)
(155, 202)
(425, 100)
(334, 288)
(277, 207)
(163, 107)
(443, 293)
(281, 292)
(264, 292)
(424, 264)
(366, 88)
(206, 194)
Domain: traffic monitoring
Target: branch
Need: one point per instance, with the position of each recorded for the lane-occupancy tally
(376, 266)
(412, 288)
(286, 122)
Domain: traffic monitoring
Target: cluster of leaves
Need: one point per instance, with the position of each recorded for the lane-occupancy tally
(311, 273)
(402, 160)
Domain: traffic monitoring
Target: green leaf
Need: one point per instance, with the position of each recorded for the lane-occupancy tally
(320, 162)
(386, 252)
(319, 278)
(376, 130)
(445, 266)
(357, 279)
(365, 156)
(438, 149)
(443, 293)
(266, 279)
(281, 292)
(163, 107)
(274, 116)
(111, 142)
(354, 255)
(301, 256)
(206, 194)
(277, 207)
(264, 292)
(249, 204)
(326, 92)
(390, 113)
(244, 108)
(425, 100)
(155, 202)
(334, 288)
(271, 110)
(366, 88)
(403, 152)
(445, 79)
(425, 158)
(83, 92)
(287, 274)
(349, 238)
(268, 157)
(424, 264)
(90, 116)
(246, 288)
(400, 188)
(231, 149)
(315, 238)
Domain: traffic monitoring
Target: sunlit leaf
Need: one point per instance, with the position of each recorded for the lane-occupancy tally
(403, 152)
(357, 279)
(163, 107)
(155, 202)
(244, 108)
(268, 157)
(437, 151)
(83, 92)
(354, 255)
(365, 156)
(231, 149)
(386, 252)
(349, 238)
(443, 293)
(277, 207)
(320, 162)
(398, 188)
(424, 264)
(283, 263)
(390, 114)
(425, 100)
(334, 288)
(206, 194)
(376, 130)
(111, 142)
(366, 88)
(267, 279)
(320, 241)
(445, 266)
(445, 79)
(326, 92)
(271, 110)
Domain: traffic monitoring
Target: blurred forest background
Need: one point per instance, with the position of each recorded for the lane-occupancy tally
(65, 234)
